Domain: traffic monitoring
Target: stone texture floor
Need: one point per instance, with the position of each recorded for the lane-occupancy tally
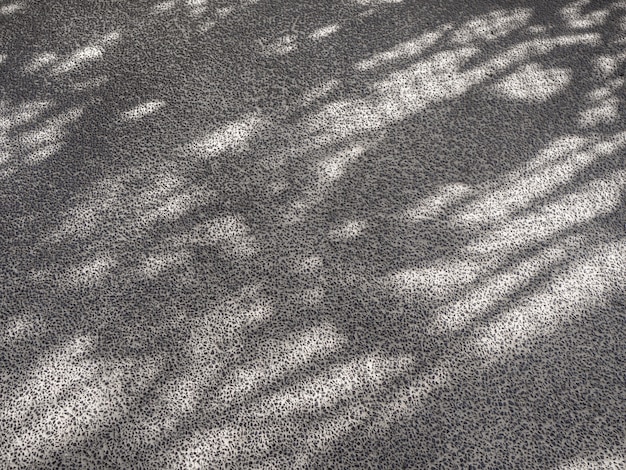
(330, 234)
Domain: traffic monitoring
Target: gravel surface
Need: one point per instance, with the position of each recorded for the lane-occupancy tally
(329, 234)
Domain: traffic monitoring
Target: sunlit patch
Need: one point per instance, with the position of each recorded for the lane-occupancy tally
(65, 393)
(310, 264)
(334, 168)
(173, 208)
(20, 328)
(328, 171)
(537, 29)
(281, 46)
(223, 12)
(40, 61)
(376, 2)
(603, 113)
(440, 278)
(92, 272)
(405, 50)
(331, 386)
(553, 166)
(494, 290)
(178, 396)
(47, 139)
(324, 32)
(155, 264)
(575, 19)
(526, 50)
(319, 92)
(533, 82)
(11, 8)
(438, 203)
(312, 295)
(85, 55)
(600, 462)
(597, 198)
(142, 110)
(228, 231)
(587, 283)
(493, 25)
(206, 26)
(207, 448)
(3, 58)
(24, 114)
(279, 358)
(198, 10)
(42, 153)
(410, 400)
(90, 83)
(164, 6)
(349, 230)
(232, 136)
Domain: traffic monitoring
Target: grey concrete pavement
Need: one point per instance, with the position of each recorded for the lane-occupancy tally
(356, 234)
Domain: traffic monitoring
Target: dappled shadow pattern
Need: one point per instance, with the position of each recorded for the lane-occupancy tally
(367, 233)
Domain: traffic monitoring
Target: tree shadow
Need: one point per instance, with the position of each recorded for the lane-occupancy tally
(259, 235)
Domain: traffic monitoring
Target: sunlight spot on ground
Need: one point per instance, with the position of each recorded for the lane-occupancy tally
(319, 92)
(223, 12)
(308, 265)
(362, 374)
(375, 2)
(597, 198)
(16, 329)
(142, 110)
(278, 358)
(495, 288)
(410, 400)
(493, 25)
(90, 83)
(349, 230)
(533, 82)
(207, 25)
(600, 462)
(40, 61)
(64, 393)
(42, 153)
(11, 8)
(164, 6)
(80, 57)
(93, 272)
(233, 136)
(328, 172)
(172, 208)
(228, 231)
(412, 48)
(154, 265)
(438, 279)
(208, 447)
(23, 114)
(606, 112)
(324, 32)
(587, 283)
(281, 46)
(553, 166)
(333, 168)
(575, 19)
(438, 203)
(47, 139)
(525, 51)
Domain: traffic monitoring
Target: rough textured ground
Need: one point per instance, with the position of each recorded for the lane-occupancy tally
(330, 234)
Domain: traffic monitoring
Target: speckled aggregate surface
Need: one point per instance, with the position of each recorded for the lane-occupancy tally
(331, 234)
